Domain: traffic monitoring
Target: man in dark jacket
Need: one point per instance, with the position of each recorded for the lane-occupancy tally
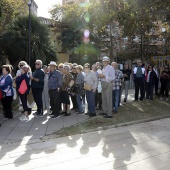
(37, 85)
(150, 81)
(164, 79)
(54, 84)
(139, 79)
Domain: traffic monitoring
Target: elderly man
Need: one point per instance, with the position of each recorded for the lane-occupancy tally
(107, 78)
(139, 79)
(54, 85)
(37, 85)
(116, 86)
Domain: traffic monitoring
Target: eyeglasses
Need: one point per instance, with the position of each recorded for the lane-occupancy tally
(37, 64)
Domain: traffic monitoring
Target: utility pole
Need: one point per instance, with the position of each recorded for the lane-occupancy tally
(29, 32)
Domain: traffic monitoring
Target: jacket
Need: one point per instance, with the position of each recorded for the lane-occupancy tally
(19, 80)
(135, 71)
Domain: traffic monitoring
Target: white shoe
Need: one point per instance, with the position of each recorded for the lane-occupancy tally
(24, 118)
(20, 108)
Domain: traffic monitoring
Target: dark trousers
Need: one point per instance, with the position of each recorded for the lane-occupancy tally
(165, 89)
(156, 86)
(149, 91)
(7, 106)
(139, 84)
(23, 98)
(74, 101)
(55, 101)
(37, 94)
(98, 99)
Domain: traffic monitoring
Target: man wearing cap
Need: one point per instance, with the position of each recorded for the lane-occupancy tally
(37, 85)
(54, 85)
(107, 78)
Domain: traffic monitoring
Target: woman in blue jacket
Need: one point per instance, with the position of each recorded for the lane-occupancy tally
(7, 91)
(23, 97)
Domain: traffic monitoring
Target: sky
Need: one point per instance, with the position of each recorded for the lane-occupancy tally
(44, 6)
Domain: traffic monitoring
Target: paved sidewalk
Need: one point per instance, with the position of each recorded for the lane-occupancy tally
(144, 146)
(15, 130)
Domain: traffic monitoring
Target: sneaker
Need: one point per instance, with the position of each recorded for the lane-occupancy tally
(40, 115)
(21, 117)
(107, 116)
(79, 113)
(102, 114)
(52, 114)
(63, 113)
(92, 115)
(24, 118)
(55, 116)
(87, 113)
(67, 114)
(20, 108)
(161, 98)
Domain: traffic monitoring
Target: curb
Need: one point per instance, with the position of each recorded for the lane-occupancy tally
(52, 136)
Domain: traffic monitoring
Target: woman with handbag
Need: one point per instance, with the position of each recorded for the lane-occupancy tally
(64, 96)
(80, 89)
(23, 88)
(7, 91)
(90, 88)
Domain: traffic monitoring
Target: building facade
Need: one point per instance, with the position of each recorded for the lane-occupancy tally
(73, 1)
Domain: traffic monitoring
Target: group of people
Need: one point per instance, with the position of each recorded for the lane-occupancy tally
(53, 86)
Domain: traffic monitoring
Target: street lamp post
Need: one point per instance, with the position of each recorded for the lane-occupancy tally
(29, 32)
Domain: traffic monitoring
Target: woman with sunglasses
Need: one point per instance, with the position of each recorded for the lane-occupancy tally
(23, 96)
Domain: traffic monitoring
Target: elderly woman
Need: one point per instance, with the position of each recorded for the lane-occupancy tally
(64, 96)
(7, 91)
(20, 65)
(23, 95)
(80, 89)
(90, 87)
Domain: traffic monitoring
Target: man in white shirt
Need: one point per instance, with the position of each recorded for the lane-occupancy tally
(107, 78)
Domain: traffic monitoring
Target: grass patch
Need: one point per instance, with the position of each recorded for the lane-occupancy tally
(132, 111)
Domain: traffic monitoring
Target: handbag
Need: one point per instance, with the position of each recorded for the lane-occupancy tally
(87, 87)
(23, 87)
(1, 95)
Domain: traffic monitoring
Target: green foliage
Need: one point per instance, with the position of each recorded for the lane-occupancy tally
(14, 43)
(132, 17)
(9, 10)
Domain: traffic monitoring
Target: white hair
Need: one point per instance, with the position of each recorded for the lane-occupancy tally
(39, 62)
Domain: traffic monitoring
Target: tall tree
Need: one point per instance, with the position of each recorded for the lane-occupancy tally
(14, 43)
(10, 9)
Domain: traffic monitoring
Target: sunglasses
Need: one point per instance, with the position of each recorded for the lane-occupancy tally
(21, 65)
(74, 68)
(60, 67)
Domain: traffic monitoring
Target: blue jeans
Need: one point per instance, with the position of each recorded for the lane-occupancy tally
(116, 96)
(90, 96)
(79, 102)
